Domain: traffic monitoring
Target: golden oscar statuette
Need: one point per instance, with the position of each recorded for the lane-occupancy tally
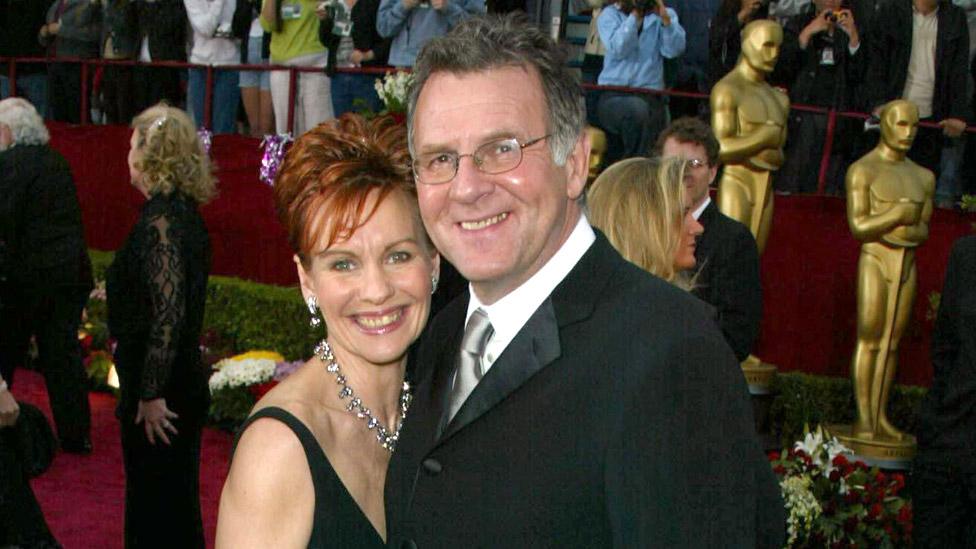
(598, 149)
(749, 120)
(889, 204)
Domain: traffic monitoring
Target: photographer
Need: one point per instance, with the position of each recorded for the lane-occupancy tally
(638, 35)
(413, 23)
(724, 34)
(823, 61)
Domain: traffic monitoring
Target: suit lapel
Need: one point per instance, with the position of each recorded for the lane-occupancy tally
(535, 346)
(538, 343)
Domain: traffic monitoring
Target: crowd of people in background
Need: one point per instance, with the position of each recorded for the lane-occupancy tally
(847, 55)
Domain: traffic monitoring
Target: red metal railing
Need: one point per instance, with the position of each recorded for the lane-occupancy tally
(830, 113)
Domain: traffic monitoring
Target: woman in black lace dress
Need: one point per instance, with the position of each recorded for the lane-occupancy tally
(156, 293)
(310, 464)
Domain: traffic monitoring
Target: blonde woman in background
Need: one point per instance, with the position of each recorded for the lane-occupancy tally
(156, 293)
(640, 204)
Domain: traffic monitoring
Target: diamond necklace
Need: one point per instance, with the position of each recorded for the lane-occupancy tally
(386, 439)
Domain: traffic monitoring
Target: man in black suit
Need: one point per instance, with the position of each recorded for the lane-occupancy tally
(47, 272)
(944, 471)
(569, 399)
(726, 254)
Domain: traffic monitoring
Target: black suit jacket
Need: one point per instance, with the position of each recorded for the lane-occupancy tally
(616, 417)
(728, 278)
(41, 233)
(890, 43)
(947, 418)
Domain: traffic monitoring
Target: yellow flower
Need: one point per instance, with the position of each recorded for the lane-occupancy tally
(270, 355)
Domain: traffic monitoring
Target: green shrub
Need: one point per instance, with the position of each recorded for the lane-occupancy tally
(804, 399)
(248, 314)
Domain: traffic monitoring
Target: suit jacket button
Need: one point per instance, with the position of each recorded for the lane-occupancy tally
(433, 466)
(408, 544)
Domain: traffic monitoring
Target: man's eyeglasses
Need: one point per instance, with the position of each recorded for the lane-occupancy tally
(494, 157)
(695, 163)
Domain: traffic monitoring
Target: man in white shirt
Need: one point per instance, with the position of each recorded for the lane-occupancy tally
(587, 403)
(726, 253)
(920, 52)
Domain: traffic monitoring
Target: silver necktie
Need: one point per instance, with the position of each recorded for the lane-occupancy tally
(476, 336)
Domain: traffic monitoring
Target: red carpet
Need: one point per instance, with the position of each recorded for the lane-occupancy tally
(83, 497)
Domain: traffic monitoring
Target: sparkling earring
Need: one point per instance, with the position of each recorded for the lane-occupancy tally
(313, 306)
(433, 283)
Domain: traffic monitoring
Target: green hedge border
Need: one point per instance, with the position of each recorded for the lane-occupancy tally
(261, 316)
(249, 314)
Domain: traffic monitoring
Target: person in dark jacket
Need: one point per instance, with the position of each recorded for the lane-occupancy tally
(724, 34)
(156, 289)
(20, 21)
(119, 41)
(162, 37)
(823, 57)
(49, 273)
(348, 29)
(726, 254)
(72, 30)
(944, 472)
(919, 51)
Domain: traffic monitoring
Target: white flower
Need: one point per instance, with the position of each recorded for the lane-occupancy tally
(393, 89)
(802, 505)
(241, 373)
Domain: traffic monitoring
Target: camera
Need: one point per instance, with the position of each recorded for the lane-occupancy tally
(642, 5)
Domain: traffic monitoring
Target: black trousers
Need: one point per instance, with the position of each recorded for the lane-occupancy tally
(117, 94)
(52, 317)
(22, 523)
(154, 84)
(64, 92)
(944, 499)
(162, 486)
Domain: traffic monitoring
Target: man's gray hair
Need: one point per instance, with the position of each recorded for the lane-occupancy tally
(491, 41)
(26, 126)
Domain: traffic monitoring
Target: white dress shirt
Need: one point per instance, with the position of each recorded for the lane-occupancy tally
(920, 82)
(509, 314)
(701, 209)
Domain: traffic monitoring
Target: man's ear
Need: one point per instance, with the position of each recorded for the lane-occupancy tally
(578, 166)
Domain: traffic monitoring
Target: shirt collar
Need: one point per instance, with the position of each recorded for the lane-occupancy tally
(511, 312)
(701, 209)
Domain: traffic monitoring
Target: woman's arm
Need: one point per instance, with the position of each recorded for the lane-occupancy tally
(268, 499)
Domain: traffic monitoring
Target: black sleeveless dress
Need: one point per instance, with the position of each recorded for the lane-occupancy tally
(337, 520)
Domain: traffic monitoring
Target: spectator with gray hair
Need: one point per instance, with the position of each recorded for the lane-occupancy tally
(573, 410)
(49, 274)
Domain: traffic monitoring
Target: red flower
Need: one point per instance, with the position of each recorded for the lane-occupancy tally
(899, 480)
(840, 460)
(851, 497)
(875, 511)
(880, 477)
(779, 470)
(399, 117)
(905, 515)
(86, 342)
(774, 456)
(261, 389)
(834, 475)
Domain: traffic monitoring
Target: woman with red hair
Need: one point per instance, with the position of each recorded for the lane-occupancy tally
(311, 461)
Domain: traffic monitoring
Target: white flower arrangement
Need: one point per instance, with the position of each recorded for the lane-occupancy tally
(393, 89)
(803, 506)
(234, 372)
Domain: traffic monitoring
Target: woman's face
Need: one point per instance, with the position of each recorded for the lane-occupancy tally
(374, 288)
(684, 256)
(135, 155)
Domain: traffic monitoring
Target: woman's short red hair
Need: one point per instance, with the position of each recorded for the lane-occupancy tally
(329, 173)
